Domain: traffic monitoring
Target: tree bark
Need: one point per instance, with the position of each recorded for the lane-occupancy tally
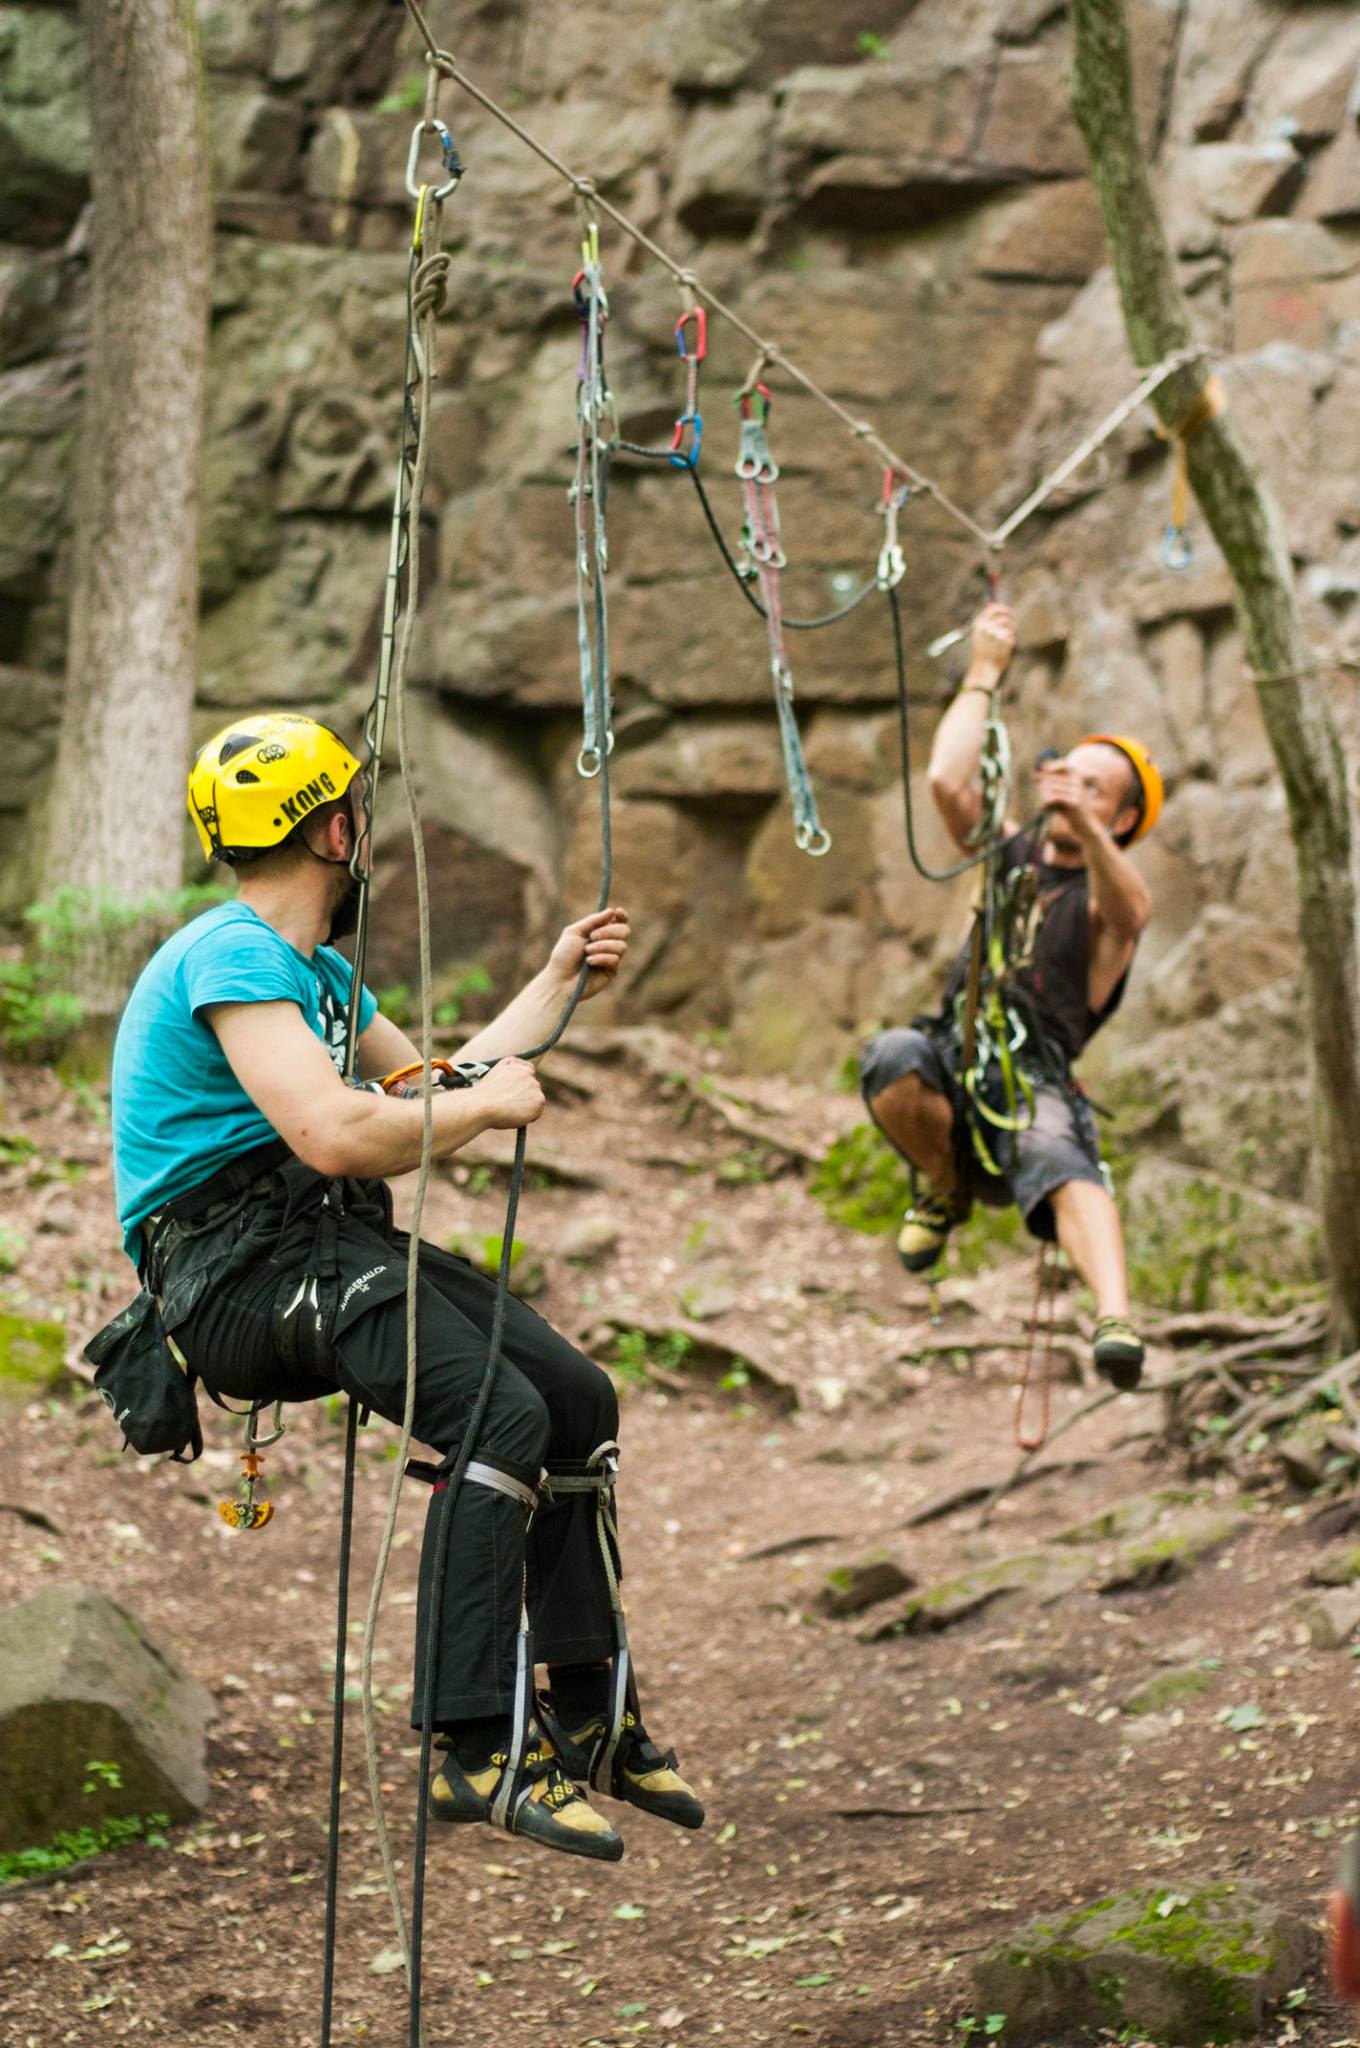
(1247, 523)
(115, 834)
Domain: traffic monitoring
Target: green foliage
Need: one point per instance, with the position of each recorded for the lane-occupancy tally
(748, 1168)
(401, 1003)
(103, 1774)
(862, 1183)
(406, 98)
(40, 1007)
(13, 1245)
(868, 44)
(634, 1353)
(80, 1844)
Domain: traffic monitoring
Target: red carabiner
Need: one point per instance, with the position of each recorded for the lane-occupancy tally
(761, 391)
(700, 349)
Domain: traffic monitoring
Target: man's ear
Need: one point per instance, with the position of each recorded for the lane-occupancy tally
(1125, 825)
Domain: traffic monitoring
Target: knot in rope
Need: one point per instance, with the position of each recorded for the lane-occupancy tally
(429, 292)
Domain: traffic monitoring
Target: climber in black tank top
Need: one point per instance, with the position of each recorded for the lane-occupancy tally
(1090, 907)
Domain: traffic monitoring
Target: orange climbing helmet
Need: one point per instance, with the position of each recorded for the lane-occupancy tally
(1144, 767)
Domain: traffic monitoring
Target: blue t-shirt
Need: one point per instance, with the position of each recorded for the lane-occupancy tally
(179, 1112)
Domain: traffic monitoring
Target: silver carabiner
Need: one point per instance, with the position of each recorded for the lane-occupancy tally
(278, 1428)
(813, 839)
(589, 761)
(451, 160)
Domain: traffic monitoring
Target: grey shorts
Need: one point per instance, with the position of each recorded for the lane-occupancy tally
(1060, 1145)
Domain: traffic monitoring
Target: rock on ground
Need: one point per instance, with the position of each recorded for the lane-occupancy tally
(81, 1683)
(1188, 1966)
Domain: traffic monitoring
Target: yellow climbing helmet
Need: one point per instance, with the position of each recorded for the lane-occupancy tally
(1144, 767)
(259, 777)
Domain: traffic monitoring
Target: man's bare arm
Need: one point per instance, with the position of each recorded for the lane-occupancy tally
(957, 750)
(599, 942)
(289, 1076)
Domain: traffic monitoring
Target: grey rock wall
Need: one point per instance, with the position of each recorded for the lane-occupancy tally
(896, 195)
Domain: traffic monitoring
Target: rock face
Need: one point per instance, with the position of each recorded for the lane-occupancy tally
(1171, 1965)
(81, 1684)
(899, 200)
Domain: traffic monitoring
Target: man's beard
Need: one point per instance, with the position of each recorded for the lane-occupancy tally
(345, 916)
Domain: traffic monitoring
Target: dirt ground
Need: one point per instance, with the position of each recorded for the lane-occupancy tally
(878, 1812)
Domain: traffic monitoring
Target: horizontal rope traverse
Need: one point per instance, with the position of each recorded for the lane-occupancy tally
(770, 356)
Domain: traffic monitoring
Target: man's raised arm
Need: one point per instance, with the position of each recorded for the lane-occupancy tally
(957, 750)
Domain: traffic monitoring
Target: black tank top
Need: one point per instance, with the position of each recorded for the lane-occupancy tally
(1054, 984)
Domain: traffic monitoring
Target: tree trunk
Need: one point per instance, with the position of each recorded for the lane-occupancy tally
(116, 821)
(1247, 523)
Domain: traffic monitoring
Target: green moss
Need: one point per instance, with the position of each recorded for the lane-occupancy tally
(1167, 1688)
(32, 1353)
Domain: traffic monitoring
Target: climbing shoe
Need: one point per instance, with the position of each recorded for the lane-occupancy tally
(643, 1775)
(1118, 1353)
(549, 1809)
(925, 1233)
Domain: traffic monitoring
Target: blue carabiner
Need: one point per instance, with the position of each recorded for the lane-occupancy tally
(1177, 549)
(682, 458)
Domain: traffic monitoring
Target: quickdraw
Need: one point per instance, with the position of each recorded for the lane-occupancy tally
(597, 437)
(760, 541)
(692, 356)
(892, 562)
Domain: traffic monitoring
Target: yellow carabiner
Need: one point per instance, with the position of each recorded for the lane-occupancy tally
(590, 247)
(418, 232)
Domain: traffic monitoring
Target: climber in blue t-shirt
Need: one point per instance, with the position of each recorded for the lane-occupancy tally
(251, 1182)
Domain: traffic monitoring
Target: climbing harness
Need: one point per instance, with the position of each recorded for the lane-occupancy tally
(1177, 548)
(251, 1508)
(758, 473)
(597, 436)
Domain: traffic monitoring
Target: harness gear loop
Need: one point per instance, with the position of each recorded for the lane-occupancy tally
(1177, 549)
(757, 472)
(1045, 1289)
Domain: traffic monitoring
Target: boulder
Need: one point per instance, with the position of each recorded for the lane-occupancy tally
(1339, 1567)
(1166, 1689)
(850, 1588)
(722, 175)
(1185, 1964)
(1051, 232)
(81, 1684)
(1331, 1618)
(44, 123)
(586, 1239)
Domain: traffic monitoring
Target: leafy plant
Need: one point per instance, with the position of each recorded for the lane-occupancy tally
(40, 1010)
(868, 44)
(634, 1353)
(79, 1844)
(406, 98)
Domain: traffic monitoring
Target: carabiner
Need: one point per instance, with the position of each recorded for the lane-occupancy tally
(813, 839)
(700, 349)
(590, 760)
(687, 458)
(1177, 548)
(453, 163)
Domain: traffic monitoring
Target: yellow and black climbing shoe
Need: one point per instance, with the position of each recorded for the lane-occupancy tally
(925, 1233)
(1118, 1353)
(547, 1808)
(641, 1774)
